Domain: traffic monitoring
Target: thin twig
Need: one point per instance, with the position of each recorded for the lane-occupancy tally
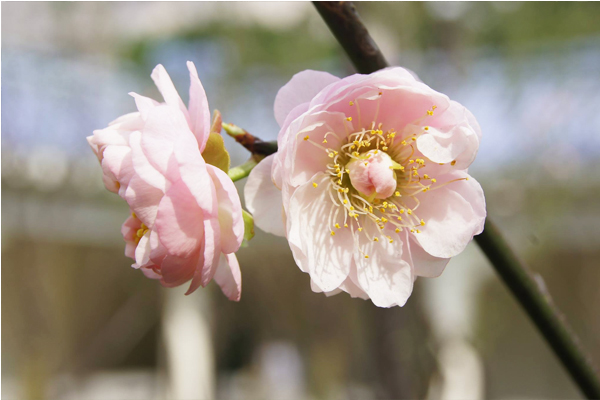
(351, 33)
(346, 26)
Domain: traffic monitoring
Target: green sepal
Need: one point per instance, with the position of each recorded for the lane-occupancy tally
(215, 153)
(248, 227)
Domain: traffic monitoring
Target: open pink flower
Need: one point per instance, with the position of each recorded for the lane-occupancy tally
(186, 218)
(370, 183)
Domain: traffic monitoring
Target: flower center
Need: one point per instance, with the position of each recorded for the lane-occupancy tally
(372, 175)
(374, 180)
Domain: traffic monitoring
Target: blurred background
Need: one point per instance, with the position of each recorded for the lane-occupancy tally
(80, 323)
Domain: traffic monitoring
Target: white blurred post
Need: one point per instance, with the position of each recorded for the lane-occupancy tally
(188, 345)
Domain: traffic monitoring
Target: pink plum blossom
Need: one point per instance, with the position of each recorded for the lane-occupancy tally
(370, 183)
(186, 218)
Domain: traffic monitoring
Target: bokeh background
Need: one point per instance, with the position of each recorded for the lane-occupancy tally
(80, 323)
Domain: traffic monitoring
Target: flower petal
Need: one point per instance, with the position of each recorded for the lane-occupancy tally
(386, 275)
(229, 277)
(230, 218)
(263, 199)
(143, 169)
(198, 108)
(453, 214)
(144, 104)
(425, 264)
(165, 86)
(142, 251)
(143, 199)
(300, 89)
(177, 221)
(176, 271)
(164, 129)
(208, 260)
(311, 219)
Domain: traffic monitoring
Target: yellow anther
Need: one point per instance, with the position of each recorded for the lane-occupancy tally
(397, 230)
(140, 233)
(143, 226)
(397, 194)
(418, 231)
(332, 233)
(345, 201)
(409, 211)
(429, 112)
(337, 225)
(376, 239)
(315, 184)
(380, 93)
(415, 173)
(433, 107)
(330, 155)
(384, 148)
(453, 162)
(426, 189)
(411, 161)
(391, 240)
(360, 229)
(347, 171)
(422, 223)
(356, 142)
(351, 103)
(366, 164)
(341, 190)
(425, 176)
(392, 135)
(384, 220)
(306, 137)
(402, 211)
(414, 138)
(433, 180)
(399, 218)
(412, 231)
(324, 140)
(426, 128)
(351, 208)
(349, 119)
(401, 168)
(133, 215)
(346, 190)
(403, 143)
(366, 256)
(345, 225)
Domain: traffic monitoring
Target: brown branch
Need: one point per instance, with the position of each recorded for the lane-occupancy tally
(351, 33)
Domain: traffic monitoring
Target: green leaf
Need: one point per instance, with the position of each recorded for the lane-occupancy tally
(248, 227)
(215, 152)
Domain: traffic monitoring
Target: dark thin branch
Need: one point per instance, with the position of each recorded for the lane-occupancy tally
(348, 29)
(346, 26)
